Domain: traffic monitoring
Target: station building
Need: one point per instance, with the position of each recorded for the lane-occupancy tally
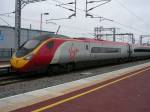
(7, 40)
(7, 36)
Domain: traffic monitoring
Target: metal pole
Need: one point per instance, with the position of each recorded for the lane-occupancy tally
(114, 34)
(75, 8)
(29, 32)
(86, 9)
(132, 37)
(140, 40)
(58, 29)
(30, 26)
(17, 23)
(11, 52)
(41, 22)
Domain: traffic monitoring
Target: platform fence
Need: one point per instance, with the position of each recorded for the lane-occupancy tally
(6, 53)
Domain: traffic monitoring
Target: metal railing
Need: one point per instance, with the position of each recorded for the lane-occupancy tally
(6, 53)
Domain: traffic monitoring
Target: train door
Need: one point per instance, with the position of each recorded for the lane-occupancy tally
(129, 51)
(87, 50)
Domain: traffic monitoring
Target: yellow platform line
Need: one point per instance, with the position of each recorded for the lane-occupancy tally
(87, 92)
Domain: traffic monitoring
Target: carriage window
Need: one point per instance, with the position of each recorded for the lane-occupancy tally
(50, 44)
(105, 50)
(141, 50)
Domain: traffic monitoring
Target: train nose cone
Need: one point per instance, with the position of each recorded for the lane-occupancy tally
(18, 62)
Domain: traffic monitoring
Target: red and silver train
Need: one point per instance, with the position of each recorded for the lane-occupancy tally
(47, 51)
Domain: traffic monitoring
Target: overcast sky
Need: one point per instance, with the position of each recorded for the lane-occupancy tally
(128, 15)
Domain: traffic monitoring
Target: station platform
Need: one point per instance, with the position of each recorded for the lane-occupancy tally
(4, 65)
(124, 90)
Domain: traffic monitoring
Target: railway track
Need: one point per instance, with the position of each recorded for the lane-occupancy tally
(7, 78)
(5, 67)
(12, 84)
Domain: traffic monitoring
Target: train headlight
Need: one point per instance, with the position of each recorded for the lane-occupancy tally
(28, 57)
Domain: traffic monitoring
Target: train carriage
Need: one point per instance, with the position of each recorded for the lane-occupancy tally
(139, 51)
(46, 51)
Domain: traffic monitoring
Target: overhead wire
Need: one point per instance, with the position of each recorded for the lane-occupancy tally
(5, 21)
(129, 27)
(116, 22)
(130, 11)
(37, 21)
(7, 13)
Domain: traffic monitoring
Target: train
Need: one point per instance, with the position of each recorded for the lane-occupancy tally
(57, 51)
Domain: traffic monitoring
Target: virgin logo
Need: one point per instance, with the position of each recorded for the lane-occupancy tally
(73, 52)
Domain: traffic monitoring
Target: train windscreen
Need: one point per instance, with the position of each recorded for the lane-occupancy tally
(27, 47)
(31, 44)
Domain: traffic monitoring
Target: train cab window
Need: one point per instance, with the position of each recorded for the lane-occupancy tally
(31, 44)
(50, 44)
(27, 47)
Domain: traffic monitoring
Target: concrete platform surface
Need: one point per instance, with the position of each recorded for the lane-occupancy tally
(4, 64)
(59, 94)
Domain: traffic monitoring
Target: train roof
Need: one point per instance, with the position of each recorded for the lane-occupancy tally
(84, 39)
(47, 36)
(140, 46)
(94, 40)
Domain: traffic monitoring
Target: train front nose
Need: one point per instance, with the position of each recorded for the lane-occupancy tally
(18, 63)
